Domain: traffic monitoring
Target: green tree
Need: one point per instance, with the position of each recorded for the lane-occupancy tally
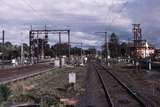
(8, 48)
(76, 51)
(49, 51)
(92, 50)
(8, 45)
(123, 50)
(26, 49)
(60, 49)
(114, 46)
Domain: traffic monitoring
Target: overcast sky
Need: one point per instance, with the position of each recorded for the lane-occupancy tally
(83, 17)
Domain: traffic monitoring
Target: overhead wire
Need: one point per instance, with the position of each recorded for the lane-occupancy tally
(112, 20)
(110, 13)
(26, 2)
(42, 17)
(124, 6)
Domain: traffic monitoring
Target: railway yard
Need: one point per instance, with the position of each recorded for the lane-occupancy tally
(121, 86)
(97, 85)
(79, 53)
(43, 84)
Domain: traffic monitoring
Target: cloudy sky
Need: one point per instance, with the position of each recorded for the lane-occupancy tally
(83, 17)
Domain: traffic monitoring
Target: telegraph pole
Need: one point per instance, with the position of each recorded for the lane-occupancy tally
(22, 54)
(37, 48)
(3, 34)
(81, 49)
(60, 59)
(81, 53)
(43, 44)
(69, 47)
(106, 47)
(42, 49)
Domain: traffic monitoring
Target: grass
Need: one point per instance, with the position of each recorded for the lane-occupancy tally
(49, 87)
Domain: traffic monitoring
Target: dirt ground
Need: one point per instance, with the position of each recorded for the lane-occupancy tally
(145, 83)
(50, 87)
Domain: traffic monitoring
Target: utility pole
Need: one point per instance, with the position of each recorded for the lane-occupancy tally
(60, 59)
(106, 46)
(22, 54)
(43, 44)
(107, 56)
(3, 34)
(69, 47)
(42, 49)
(37, 48)
(81, 50)
(22, 51)
(81, 53)
(30, 52)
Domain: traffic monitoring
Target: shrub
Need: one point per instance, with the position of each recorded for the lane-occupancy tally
(5, 93)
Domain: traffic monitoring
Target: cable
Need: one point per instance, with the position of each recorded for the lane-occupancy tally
(33, 9)
(28, 5)
(110, 11)
(125, 4)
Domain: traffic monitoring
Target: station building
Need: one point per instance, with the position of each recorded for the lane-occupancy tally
(143, 51)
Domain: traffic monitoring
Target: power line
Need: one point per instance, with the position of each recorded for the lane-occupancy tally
(28, 5)
(34, 10)
(110, 11)
(124, 5)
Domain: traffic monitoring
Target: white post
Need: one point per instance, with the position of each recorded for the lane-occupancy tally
(22, 51)
(42, 54)
(22, 54)
(150, 66)
(108, 53)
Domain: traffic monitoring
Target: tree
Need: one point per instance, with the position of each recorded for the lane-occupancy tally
(11, 51)
(60, 49)
(114, 46)
(76, 51)
(8, 45)
(49, 51)
(26, 50)
(123, 50)
(8, 48)
(92, 50)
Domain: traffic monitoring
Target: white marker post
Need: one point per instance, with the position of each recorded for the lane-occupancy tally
(150, 66)
(14, 62)
(108, 63)
(137, 66)
(72, 79)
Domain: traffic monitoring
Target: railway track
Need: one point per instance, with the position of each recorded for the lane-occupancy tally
(15, 74)
(116, 92)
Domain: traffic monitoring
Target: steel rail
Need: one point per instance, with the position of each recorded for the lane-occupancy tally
(26, 76)
(130, 92)
(107, 94)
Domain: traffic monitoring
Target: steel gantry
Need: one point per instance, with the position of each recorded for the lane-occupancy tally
(38, 45)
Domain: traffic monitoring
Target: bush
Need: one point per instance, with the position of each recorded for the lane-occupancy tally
(5, 93)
